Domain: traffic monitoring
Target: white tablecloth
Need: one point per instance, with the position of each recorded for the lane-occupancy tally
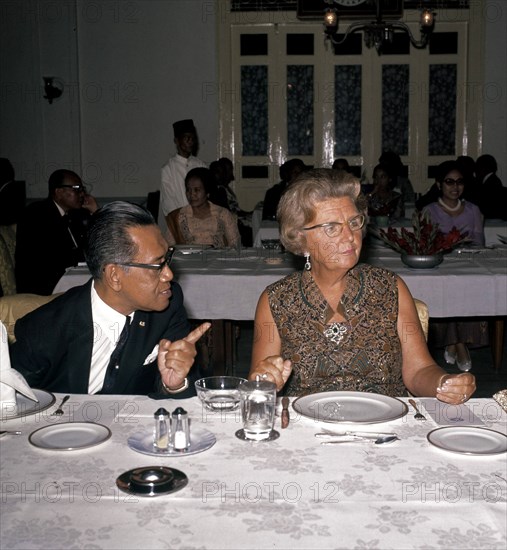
(227, 285)
(492, 230)
(288, 493)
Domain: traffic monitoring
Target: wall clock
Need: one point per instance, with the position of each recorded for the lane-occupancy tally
(350, 9)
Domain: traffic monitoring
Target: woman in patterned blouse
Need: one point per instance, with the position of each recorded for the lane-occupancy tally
(340, 325)
(202, 222)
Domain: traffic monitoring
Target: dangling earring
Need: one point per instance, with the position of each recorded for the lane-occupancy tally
(308, 265)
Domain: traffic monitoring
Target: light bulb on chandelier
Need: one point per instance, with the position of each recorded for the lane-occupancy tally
(378, 32)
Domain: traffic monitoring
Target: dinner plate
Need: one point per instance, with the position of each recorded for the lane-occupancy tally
(200, 440)
(70, 436)
(468, 440)
(26, 407)
(350, 407)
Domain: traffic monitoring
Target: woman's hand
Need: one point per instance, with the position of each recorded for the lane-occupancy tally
(274, 369)
(456, 388)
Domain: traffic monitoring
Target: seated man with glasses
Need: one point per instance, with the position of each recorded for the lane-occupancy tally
(49, 236)
(126, 330)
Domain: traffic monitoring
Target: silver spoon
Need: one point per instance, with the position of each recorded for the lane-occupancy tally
(378, 441)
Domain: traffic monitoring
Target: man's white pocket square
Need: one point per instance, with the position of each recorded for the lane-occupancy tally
(152, 356)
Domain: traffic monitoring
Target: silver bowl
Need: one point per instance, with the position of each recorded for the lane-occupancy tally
(420, 261)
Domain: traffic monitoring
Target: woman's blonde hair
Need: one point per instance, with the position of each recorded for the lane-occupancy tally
(297, 205)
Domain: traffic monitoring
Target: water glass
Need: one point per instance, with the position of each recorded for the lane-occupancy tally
(258, 403)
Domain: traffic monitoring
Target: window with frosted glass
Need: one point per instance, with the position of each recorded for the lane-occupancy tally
(347, 122)
(254, 110)
(442, 110)
(300, 109)
(395, 85)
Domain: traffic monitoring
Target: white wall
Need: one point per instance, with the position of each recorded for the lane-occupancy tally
(142, 65)
(131, 68)
(37, 38)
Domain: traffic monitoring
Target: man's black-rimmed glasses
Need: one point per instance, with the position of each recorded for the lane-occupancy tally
(154, 267)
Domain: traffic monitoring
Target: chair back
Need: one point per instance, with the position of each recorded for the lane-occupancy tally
(16, 306)
(424, 316)
(7, 248)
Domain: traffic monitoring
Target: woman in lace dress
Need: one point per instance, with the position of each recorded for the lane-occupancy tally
(340, 325)
(201, 221)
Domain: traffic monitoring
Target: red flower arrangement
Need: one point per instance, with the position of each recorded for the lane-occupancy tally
(425, 240)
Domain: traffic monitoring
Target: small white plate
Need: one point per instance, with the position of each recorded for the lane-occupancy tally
(200, 440)
(350, 407)
(70, 436)
(468, 440)
(26, 407)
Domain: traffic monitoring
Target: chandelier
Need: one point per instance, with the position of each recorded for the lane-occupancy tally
(378, 32)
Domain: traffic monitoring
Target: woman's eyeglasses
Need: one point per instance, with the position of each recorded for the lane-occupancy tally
(154, 267)
(450, 181)
(334, 229)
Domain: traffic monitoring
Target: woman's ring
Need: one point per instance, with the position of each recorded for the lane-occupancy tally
(264, 376)
(464, 397)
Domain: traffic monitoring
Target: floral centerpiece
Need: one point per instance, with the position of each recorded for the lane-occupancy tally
(426, 240)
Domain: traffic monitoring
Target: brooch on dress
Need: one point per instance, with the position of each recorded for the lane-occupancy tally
(336, 332)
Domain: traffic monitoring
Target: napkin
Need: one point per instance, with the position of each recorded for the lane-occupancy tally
(450, 415)
(11, 380)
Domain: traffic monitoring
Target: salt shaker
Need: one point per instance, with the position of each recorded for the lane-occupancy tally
(180, 430)
(162, 429)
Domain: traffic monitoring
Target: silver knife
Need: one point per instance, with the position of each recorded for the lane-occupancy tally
(369, 435)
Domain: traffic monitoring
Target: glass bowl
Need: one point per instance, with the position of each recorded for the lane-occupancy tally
(219, 393)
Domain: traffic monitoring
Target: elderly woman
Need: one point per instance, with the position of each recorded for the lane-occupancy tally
(201, 221)
(338, 325)
(451, 211)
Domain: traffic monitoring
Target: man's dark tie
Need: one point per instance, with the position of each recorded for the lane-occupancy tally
(67, 223)
(114, 362)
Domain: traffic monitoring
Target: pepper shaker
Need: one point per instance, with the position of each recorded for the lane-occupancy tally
(180, 431)
(162, 429)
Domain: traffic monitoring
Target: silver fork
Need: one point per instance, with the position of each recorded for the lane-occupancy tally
(59, 410)
(418, 415)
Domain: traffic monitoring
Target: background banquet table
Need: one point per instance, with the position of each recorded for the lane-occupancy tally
(220, 284)
(288, 493)
(268, 229)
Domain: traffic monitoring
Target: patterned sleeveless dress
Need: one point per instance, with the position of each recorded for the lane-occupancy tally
(361, 354)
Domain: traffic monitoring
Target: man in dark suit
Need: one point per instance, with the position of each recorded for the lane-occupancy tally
(71, 344)
(50, 233)
(492, 195)
(289, 171)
